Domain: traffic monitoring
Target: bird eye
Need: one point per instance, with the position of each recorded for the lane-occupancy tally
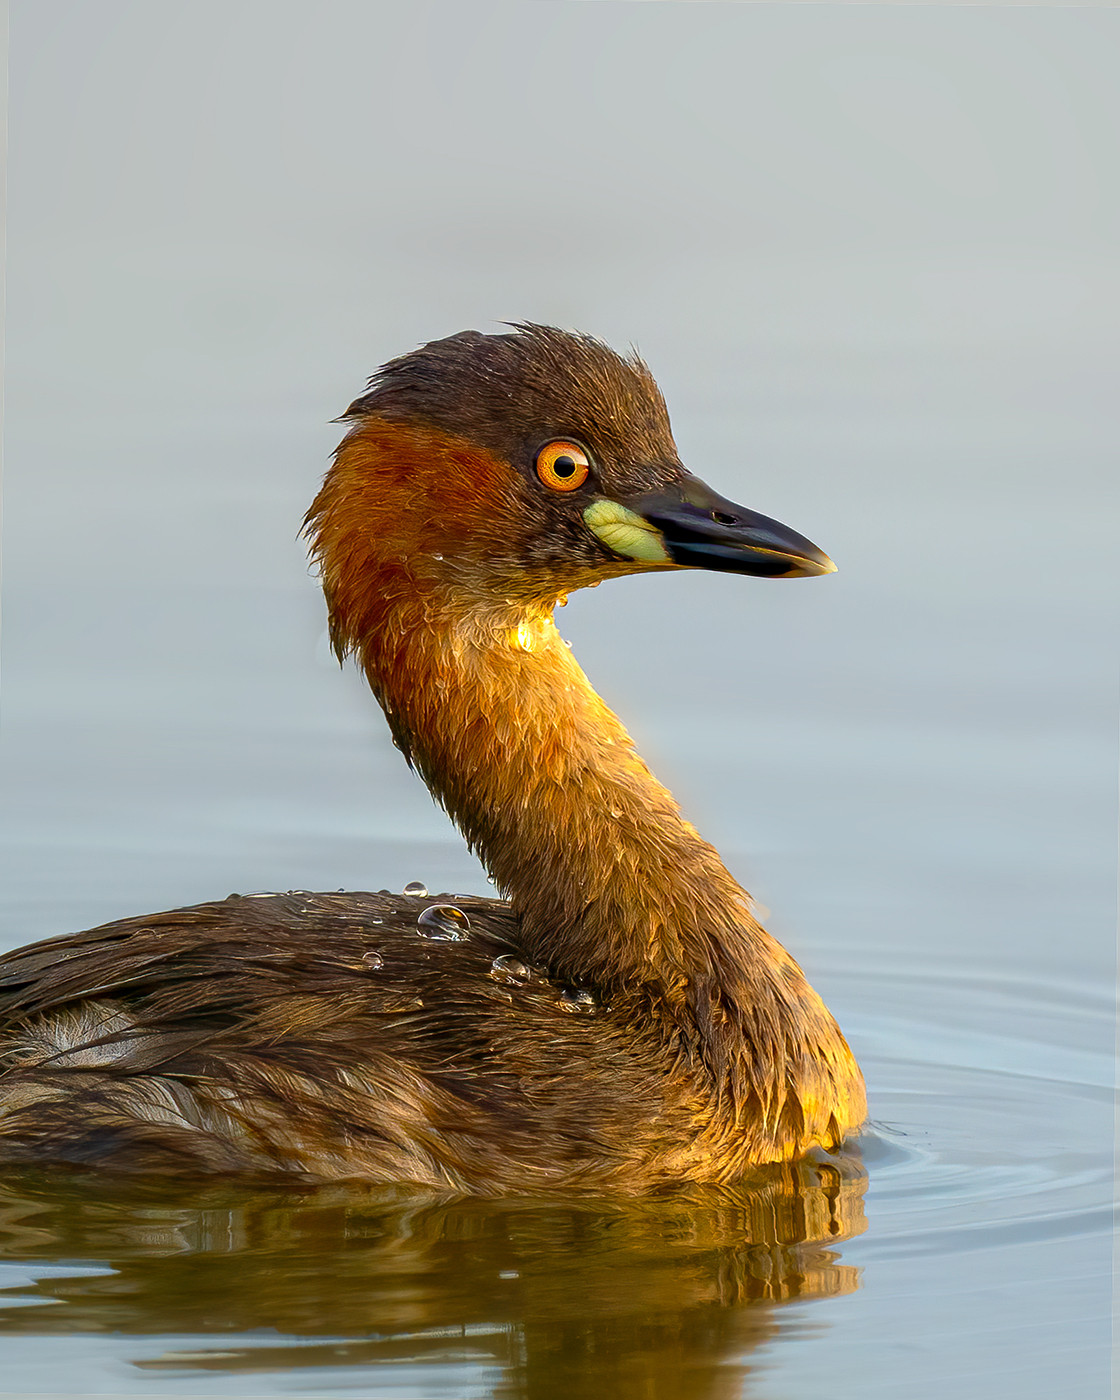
(562, 466)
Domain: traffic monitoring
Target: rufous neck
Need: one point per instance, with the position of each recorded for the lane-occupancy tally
(611, 883)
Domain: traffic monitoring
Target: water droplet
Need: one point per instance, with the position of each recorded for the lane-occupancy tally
(615, 813)
(443, 921)
(508, 1273)
(376, 919)
(438, 557)
(417, 888)
(507, 968)
(373, 960)
(577, 1000)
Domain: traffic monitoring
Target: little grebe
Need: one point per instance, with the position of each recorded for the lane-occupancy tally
(622, 1021)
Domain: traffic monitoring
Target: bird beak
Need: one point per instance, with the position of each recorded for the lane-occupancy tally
(690, 526)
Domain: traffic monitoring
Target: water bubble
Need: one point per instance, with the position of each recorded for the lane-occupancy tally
(615, 813)
(443, 921)
(577, 1000)
(508, 1273)
(373, 960)
(376, 919)
(417, 888)
(507, 968)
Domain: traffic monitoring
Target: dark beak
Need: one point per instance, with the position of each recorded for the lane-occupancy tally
(704, 531)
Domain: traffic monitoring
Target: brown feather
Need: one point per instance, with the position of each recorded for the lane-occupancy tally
(623, 1020)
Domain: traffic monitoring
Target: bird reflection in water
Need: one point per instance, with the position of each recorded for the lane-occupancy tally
(664, 1295)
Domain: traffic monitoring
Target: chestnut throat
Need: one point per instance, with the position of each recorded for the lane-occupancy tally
(614, 888)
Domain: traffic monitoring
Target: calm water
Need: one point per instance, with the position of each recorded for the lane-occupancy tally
(966, 1241)
(869, 251)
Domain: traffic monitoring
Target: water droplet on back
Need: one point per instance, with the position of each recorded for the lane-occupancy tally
(376, 919)
(443, 921)
(373, 960)
(417, 888)
(507, 968)
(577, 1000)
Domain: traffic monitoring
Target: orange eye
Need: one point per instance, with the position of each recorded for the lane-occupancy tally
(562, 466)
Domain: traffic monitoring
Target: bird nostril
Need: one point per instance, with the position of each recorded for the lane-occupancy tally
(722, 518)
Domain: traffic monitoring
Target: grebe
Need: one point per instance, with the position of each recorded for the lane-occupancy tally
(620, 1020)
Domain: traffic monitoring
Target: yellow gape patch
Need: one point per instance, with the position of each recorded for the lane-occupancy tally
(626, 533)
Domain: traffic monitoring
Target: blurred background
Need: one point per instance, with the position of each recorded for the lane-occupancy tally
(870, 253)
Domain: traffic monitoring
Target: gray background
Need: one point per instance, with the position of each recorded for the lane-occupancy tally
(870, 254)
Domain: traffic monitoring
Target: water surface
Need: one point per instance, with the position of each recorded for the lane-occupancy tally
(980, 1176)
(869, 252)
